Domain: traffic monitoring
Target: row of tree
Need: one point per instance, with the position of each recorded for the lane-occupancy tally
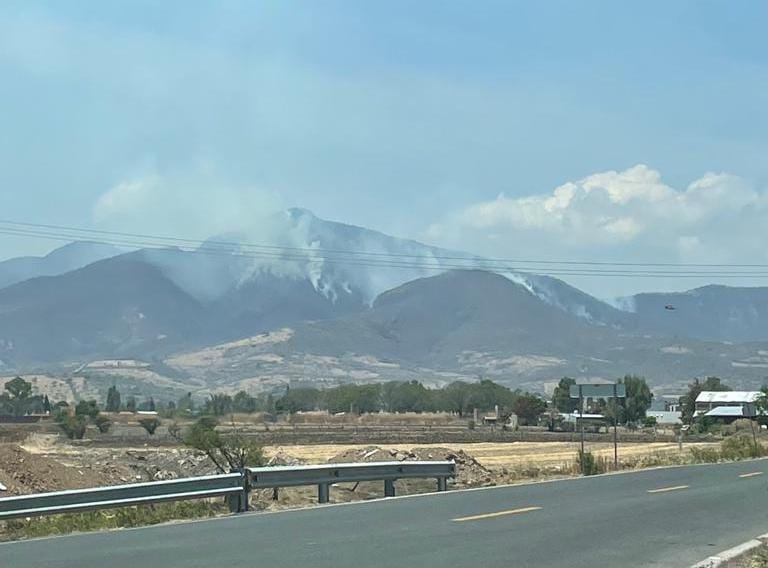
(17, 399)
(396, 396)
(460, 397)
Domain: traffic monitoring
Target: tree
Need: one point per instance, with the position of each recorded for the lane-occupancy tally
(228, 452)
(218, 404)
(561, 398)
(113, 399)
(352, 398)
(410, 396)
(73, 425)
(638, 398)
(455, 397)
(297, 400)
(761, 404)
(243, 402)
(46, 405)
(130, 404)
(185, 405)
(150, 424)
(688, 400)
(18, 399)
(486, 395)
(87, 408)
(528, 407)
(18, 388)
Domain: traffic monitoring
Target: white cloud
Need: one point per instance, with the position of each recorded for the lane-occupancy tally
(630, 215)
(125, 198)
(194, 206)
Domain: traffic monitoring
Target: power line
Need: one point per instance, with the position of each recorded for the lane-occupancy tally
(364, 258)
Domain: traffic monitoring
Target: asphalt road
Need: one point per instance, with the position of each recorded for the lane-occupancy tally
(663, 517)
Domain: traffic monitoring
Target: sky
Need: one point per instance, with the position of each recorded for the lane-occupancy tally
(592, 130)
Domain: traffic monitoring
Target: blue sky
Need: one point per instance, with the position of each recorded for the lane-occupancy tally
(434, 120)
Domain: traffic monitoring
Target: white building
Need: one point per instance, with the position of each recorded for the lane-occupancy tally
(727, 404)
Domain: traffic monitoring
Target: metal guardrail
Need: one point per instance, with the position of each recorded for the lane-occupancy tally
(234, 486)
(327, 474)
(230, 484)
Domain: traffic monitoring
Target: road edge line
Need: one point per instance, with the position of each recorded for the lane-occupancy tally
(732, 553)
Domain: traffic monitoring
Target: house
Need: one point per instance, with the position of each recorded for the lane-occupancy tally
(728, 405)
(665, 416)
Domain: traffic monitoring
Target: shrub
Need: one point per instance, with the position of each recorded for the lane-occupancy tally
(73, 426)
(87, 408)
(102, 423)
(228, 452)
(649, 421)
(112, 518)
(150, 424)
(740, 446)
(588, 465)
(174, 431)
(705, 455)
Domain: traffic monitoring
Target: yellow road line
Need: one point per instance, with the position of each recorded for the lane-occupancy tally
(496, 514)
(664, 489)
(753, 474)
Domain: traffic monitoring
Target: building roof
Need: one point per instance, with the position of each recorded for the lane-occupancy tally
(665, 416)
(585, 416)
(728, 396)
(726, 411)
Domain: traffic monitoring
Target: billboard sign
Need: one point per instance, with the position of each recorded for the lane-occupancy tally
(598, 391)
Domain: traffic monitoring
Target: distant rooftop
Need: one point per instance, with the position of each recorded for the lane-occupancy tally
(726, 411)
(728, 396)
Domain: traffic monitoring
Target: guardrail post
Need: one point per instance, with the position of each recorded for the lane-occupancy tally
(323, 492)
(238, 502)
(442, 484)
(389, 488)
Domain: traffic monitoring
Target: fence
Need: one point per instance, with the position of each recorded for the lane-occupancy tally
(234, 486)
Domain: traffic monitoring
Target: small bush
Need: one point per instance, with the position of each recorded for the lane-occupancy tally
(150, 424)
(649, 421)
(735, 447)
(102, 423)
(705, 455)
(744, 425)
(174, 431)
(112, 518)
(73, 426)
(588, 465)
(740, 446)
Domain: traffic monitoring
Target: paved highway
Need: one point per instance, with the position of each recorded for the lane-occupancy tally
(664, 517)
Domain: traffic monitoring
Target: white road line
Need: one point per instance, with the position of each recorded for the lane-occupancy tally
(496, 514)
(665, 489)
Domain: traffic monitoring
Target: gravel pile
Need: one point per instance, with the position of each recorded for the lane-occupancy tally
(470, 472)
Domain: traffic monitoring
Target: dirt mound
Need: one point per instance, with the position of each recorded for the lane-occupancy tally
(168, 463)
(281, 457)
(469, 472)
(22, 472)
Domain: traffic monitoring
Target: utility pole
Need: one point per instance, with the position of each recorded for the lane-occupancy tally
(615, 426)
(581, 420)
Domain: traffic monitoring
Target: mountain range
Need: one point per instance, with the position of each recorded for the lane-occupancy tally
(393, 308)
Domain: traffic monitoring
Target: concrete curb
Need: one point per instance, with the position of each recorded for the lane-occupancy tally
(732, 553)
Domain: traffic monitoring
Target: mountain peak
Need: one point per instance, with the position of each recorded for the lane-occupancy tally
(299, 212)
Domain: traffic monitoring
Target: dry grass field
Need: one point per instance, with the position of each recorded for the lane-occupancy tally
(510, 455)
